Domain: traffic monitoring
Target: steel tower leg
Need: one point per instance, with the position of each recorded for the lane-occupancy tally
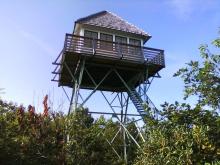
(121, 99)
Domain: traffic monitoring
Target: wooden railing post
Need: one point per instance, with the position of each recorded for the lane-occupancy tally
(65, 42)
(93, 46)
(119, 50)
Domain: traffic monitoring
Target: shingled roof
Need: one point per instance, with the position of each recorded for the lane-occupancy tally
(109, 20)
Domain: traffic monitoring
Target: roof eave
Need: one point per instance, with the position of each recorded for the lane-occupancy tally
(74, 27)
(147, 38)
(81, 20)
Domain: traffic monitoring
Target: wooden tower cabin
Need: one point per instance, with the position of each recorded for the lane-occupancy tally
(106, 53)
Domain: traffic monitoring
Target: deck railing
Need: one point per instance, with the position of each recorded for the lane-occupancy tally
(107, 49)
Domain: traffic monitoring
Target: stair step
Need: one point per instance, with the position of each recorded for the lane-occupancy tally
(142, 111)
(136, 102)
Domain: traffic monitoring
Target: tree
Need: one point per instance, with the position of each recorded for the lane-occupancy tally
(26, 136)
(88, 140)
(185, 134)
(54, 138)
(203, 79)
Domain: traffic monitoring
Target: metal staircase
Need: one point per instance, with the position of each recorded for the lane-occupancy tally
(139, 104)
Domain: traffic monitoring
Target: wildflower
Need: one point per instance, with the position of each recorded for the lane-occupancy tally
(46, 108)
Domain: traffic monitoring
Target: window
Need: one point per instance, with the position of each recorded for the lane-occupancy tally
(135, 42)
(106, 45)
(88, 42)
(121, 46)
(137, 49)
(119, 39)
(91, 34)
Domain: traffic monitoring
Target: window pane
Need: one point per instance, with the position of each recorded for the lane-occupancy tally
(120, 47)
(135, 42)
(90, 34)
(135, 50)
(119, 39)
(106, 37)
(106, 45)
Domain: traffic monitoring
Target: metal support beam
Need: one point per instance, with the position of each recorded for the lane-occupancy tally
(71, 74)
(121, 99)
(78, 83)
(139, 132)
(96, 86)
(120, 121)
(108, 113)
(58, 57)
(125, 84)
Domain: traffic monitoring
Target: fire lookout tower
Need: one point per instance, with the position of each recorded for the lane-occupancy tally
(107, 54)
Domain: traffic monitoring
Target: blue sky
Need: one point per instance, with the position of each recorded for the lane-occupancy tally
(32, 35)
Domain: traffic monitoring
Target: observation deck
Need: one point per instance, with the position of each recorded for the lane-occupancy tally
(100, 57)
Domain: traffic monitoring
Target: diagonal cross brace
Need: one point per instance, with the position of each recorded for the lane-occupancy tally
(96, 85)
(115, 112)
(120, 121)
(125, 84)
(71, 74)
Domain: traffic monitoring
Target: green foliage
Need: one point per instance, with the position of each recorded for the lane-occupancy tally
(88, 140)
(186, 135)
(85, 143)
(29, 137)
(54, 138)
(203, 79)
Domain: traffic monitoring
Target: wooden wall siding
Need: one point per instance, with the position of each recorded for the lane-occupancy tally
(114, 50)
